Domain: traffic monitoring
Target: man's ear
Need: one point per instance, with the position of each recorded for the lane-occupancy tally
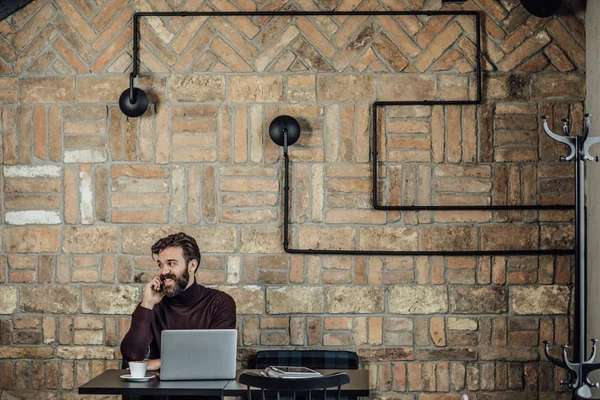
(193, 267)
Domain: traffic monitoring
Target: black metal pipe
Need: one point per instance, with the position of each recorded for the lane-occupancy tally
(484, 208)
(478, 57)
(294, 13)
(476, 15)
(136, 43)
(440, 253)
(374, 173)
(286, 194)
(477, 101)
(427, 103)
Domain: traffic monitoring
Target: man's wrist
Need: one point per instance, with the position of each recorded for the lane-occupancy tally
(147, 305)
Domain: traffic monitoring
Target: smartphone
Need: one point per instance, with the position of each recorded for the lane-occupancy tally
(158, 289)
(291, 372)
(294, 370)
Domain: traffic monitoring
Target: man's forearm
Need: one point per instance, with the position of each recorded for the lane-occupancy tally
(134, 346)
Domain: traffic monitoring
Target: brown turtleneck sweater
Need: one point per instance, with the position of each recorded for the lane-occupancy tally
(198, 307)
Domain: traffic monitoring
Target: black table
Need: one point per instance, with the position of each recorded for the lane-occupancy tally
(109, 382)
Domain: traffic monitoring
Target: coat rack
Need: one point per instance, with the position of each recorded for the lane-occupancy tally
(579, 370)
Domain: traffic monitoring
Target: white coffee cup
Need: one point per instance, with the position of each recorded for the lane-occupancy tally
(138, 368)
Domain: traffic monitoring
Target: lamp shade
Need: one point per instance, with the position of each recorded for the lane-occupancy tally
(541, 8)
(139, 104)
(282, 124)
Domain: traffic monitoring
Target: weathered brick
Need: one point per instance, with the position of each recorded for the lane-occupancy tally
(442, 41)
(400, 88)
(49, 330)
(98, 239)
(455, 238)
(32, 239)
(437, 331)
(49, 299)
(295, 300)
(386, 354)
(27, 337)
(333, 88)
(507, 87)
(93, 89)
(249, 299)
(509, 353)
(354, 300)
(540, 300)
(488, 300)
(8, 299)
(557, 87)
(417, 300)
(88, 337)
(33, 352)
(85, 352)
(508, 238)
(388, 238)
(109, 300)
(525, 50)
(571, 47)
(47, 90)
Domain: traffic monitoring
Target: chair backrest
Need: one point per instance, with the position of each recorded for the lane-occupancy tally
(294, 385)
(315, 359)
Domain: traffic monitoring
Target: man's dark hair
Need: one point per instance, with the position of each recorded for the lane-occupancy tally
(186, 242)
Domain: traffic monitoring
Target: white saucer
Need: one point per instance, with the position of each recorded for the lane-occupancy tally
(130, 378)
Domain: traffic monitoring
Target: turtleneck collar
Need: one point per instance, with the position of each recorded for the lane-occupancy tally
(189, 296)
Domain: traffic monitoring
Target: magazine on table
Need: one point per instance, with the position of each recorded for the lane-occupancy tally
(291, 372)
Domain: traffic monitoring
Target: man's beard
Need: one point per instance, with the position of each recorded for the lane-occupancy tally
(179, 283)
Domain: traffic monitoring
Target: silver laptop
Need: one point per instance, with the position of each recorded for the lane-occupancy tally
(198, 354)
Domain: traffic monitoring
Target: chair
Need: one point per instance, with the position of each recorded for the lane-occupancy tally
(304, 385)
(315, 359)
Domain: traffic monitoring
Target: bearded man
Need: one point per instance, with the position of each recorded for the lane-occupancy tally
(173, 300)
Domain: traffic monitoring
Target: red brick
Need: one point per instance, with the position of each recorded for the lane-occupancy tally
(52, 374)
(437, 330)
(67, 374)
(140, 217)
(415, 380)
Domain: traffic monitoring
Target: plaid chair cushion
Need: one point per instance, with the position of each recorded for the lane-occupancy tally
(316, 359)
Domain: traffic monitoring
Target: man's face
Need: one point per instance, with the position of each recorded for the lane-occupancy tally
(174, 274)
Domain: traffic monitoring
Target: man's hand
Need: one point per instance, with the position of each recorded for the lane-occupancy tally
(153, 365)
(152, 294)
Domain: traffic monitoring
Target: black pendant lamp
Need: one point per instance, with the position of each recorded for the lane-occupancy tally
(133, 101)
(284, 131)
(541, 8)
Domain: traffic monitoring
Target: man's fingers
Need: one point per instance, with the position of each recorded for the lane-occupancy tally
(155, 283)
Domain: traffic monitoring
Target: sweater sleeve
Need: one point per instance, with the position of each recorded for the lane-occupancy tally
(224, 314)
(134, 346)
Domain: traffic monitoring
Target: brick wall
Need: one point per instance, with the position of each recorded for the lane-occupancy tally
(86, 191)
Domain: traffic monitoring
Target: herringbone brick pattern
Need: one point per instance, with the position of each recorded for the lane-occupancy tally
(64, 38)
